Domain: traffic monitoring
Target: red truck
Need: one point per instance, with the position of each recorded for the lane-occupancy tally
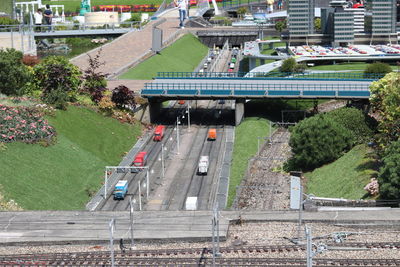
(140, 159)
(159, 133)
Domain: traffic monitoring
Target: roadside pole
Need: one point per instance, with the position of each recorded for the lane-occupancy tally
(131, 219)
(112, 228)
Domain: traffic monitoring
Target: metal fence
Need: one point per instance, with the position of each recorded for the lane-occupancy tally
(272, 75)
(260, 89)
(18, 37)
(237, 3)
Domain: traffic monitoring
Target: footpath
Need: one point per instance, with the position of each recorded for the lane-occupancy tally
(130, 49)
(66, 227)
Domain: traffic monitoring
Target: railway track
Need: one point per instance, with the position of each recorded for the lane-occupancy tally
(97, 259)
(225, 251)
(262, 186)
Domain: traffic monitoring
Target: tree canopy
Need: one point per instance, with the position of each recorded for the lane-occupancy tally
(385, 101)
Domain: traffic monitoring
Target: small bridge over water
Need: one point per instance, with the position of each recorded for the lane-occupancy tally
(195, 86)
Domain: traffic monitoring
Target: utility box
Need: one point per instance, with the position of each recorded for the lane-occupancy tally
(191, 203)
(156, 45)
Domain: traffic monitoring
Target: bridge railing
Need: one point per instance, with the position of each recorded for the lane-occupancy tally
(237, 3)
(71, 26)
(270, 75)
(299, 90)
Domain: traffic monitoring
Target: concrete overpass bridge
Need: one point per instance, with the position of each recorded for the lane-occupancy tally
(196, 86)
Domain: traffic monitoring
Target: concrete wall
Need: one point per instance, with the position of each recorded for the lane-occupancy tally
(239, 111)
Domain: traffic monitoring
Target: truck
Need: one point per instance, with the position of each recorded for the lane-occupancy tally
(140, 160)
(159, 133)
(120, 189)
(203, 165)
(212, 134)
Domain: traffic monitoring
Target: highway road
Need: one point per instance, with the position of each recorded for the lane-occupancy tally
(180, 179)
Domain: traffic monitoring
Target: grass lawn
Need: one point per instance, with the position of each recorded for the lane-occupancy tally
(345, 66)
(59, 177)
(346, 177)
(245, 147)
(183, 55)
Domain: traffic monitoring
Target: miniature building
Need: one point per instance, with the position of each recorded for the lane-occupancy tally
(301, 17)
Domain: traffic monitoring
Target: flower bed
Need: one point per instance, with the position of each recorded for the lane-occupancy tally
(24, 124)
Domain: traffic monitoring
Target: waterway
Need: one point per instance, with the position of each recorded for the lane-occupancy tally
(68, 47)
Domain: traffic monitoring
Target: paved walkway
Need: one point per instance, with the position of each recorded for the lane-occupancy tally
(130, 48)
(78, 226)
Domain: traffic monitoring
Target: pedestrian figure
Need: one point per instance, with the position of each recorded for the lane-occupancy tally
(280, 4)
(270, 6)
(38, 16)
(48, 16)
(182, 6)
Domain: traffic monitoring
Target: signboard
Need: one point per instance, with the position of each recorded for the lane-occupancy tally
(157, 40)
(295, 191)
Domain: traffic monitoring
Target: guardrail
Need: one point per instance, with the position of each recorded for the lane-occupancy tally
(256, 90)
(270, 75)
(237, 3)
(72, 26)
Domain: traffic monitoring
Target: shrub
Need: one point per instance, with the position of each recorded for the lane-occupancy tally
(316, 141)
(355, 121)
(23, 124)
(288, 65)
(8, 21)
(13, 74)
(30, 60)
(106, 105)
(389, 174)
(123, 97)
(377, 68)
(95, 82)
(58, 79)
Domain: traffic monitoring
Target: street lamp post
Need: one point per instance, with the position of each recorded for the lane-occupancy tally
(177, 133)
(188, 112)
(162, 161)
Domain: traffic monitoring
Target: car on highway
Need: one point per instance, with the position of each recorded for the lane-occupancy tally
(203, 165)
(140, 160)
(120, 189)
(159, 133)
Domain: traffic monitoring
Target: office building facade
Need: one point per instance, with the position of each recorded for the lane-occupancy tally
(301, 17)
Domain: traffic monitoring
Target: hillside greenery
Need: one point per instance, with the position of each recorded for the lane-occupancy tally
(183, 55)
(63, 176)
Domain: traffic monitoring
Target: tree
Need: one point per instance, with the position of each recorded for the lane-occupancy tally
(94, 82)
(123, 97)
(385, 101)
(377, 69)
(389, 174)
(14, 75)
(317, 24)
(355, 121)
(241, 11)
(316, 141)
(58, 80)
(288, 65)
(280, 25)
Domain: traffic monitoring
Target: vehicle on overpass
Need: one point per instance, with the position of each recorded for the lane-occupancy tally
(203, 165)
(120, 189)
(159, 133)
